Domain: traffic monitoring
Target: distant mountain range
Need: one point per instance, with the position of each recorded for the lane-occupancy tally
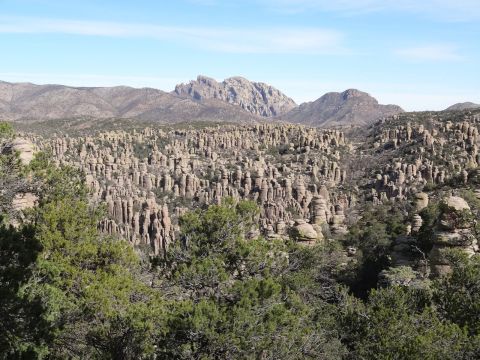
(235, 99)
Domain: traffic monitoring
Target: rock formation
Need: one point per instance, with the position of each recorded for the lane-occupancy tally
(304, 233)
(257, 98)
(24, 147)
(425, 153)
(148, 179)
(454, 230)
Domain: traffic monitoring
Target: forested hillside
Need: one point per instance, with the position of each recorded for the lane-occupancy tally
(228, 285)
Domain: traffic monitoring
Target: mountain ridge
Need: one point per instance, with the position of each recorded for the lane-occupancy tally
(235, 99)
(27, 101)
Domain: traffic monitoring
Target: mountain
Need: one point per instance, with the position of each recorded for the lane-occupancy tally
(351, 107)
(234, 100)
(25, 101)
(255, 97)
(463, 106)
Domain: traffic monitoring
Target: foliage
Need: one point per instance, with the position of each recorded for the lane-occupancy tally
(6, 131)
(425, 235)
(397, 323)
(373, 236)
(232, 300)
(458, 294)
(11, 181)
(55, 183)
(20, 324)
(81, 290)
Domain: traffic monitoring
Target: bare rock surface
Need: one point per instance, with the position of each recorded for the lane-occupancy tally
(255, 97)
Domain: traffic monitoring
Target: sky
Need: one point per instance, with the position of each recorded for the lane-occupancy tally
(419, 54)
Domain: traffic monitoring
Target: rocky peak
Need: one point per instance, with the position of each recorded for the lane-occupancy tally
(257, 98)
(205, 80)
(354, 93)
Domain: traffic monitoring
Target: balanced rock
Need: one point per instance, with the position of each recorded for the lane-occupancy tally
(304, 232)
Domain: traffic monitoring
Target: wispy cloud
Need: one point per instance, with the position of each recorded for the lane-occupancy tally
(446, 10)
(430, 53)
(231, 40)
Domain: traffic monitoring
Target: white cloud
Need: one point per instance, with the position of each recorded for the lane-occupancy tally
(436, 53)
(448, 10)
(230, 40)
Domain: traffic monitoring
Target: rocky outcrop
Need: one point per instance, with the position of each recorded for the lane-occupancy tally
(23, 201)
(454, 230)
(255, 97)
(304, 233)
(352, 107)
(421, 201)
(24, 147)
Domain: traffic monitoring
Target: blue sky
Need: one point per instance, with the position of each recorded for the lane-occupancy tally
(419, 54)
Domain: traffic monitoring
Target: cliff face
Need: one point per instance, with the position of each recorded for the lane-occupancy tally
(256, 98)
(351, 107)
